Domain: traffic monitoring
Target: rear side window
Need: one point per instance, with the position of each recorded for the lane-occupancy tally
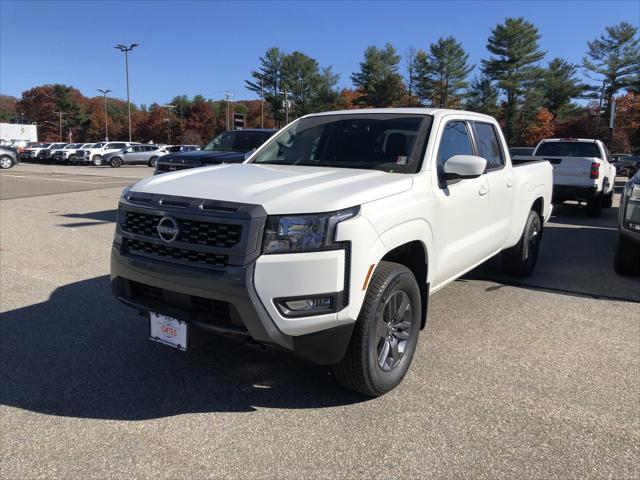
(489, 145)
(569, 149)
(455, 141)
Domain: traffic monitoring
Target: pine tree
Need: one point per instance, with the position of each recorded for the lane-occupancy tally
(443, 73)
(560, 86)
(268, 80)
(514, 45)
(482, 97)
(615, 59)
(378, 78)
(411, 74)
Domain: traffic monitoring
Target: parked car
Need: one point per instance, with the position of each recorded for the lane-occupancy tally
(8, 157)
(45, 155)
(582, 171)
(78, 155)
(627, 165)
(143, 154)
(94, 154)
(65, 154)
(180, 148)
(328, 241)
(521, 151)
(228, 147)
(31, 152)
(627, 258)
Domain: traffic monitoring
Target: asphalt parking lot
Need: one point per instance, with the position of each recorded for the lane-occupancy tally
(531, 379)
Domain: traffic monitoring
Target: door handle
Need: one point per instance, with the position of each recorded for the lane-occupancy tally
(483, 191)
(509, 183)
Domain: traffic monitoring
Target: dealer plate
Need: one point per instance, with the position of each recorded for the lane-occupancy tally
(168, 330)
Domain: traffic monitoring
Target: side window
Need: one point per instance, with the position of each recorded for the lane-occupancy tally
(488, 144)
(455, 141)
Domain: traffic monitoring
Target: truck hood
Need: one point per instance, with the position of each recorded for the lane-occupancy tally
(279, 189)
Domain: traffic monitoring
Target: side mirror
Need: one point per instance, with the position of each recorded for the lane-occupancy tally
(464, 166)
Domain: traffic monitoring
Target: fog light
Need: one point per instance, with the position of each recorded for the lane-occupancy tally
(300, 307)
(634, 226)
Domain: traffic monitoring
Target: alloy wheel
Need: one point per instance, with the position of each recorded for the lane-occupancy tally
(393, 330)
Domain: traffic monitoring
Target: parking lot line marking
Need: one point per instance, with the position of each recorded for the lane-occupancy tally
(63, 180)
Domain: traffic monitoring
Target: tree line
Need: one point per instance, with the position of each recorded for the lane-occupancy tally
(531, 97)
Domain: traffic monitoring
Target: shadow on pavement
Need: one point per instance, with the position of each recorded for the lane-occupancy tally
(83, 354)
(100, 218)
(576, 258)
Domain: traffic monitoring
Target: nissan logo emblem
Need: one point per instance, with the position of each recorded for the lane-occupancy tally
(168, 229)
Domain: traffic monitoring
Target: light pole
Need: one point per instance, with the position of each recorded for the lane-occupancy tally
(126, 51)
(106, 127)
(228, 96)
(60, 131)
(286, 105)
(261, 101)
(169, 106)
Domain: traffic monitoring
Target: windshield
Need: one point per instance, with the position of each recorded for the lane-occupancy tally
(381, 141)
(98, 145)
(569, 149)
(237, 141)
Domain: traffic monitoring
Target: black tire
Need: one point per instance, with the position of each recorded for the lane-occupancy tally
(627, 259)
(382, 345)
(115, 162)
(96, 160)
(607, 200)
(6, 162)
(520, 260)
(594, 206)
(153, 161)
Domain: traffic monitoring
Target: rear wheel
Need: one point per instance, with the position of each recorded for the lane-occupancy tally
(627, 259)
(97, 160)
(6, 162)
(116, 162)
(594, 206)
(520, 260)
(153, 161)
(607, 200)
(385, 335)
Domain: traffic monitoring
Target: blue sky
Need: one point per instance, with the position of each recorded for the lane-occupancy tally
(202, 47)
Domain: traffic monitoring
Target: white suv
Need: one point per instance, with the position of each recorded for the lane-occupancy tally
(98, 150)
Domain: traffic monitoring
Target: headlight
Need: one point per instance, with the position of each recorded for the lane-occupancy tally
(304, 233)
(635, 192)
(126, 189)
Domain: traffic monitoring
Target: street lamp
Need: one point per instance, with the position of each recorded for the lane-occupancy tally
(106, 128)
(286, 104)
(168, 119)
(126, 51)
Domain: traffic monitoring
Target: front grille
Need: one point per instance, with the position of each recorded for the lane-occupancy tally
(139, 247)
(210, 234)
(172, 167)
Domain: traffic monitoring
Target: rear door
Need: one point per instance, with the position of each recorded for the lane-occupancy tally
(462, 208)
(500, 176)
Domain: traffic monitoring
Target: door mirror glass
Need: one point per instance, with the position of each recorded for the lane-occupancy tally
(464, 166)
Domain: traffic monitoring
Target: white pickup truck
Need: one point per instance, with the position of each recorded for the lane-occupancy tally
(329, 239)
(582, 171)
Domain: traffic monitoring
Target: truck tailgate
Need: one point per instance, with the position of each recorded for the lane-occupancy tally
(568, 171)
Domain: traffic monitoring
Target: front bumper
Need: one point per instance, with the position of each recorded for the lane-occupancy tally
(221, 302)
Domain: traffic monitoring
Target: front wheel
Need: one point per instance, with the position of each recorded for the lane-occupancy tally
(385, 335)
(6, 162)
(153, 161)
(97, 160)
(520, 260)
(116, 162)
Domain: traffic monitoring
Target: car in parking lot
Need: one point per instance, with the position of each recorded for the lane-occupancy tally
(521, 151)
(233, 146)
(180, 148)
(8, 157)
(32, 150)
(142, 154)
(627, 165)
(328, 241)
(94, 154)
(627, 257)
(65, 154)
(45, 155)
